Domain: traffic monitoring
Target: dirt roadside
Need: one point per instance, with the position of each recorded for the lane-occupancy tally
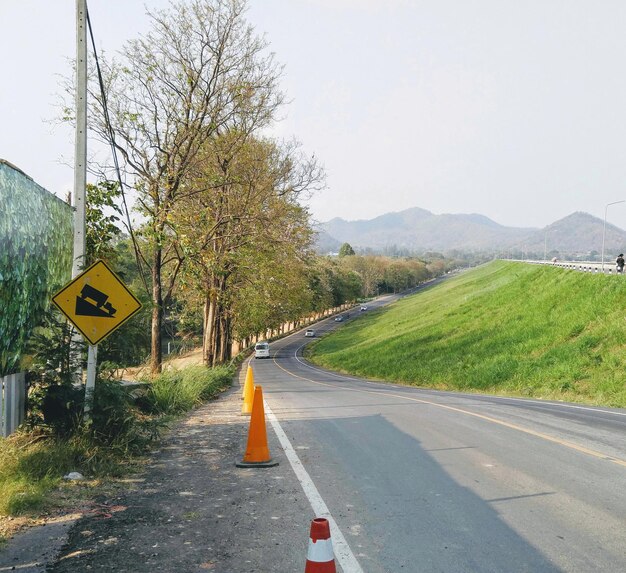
(135, 373)
(191, 510)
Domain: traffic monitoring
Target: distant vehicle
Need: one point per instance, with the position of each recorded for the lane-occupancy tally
(339, 318)
(309, 332)
(363, 308)
(262, 349)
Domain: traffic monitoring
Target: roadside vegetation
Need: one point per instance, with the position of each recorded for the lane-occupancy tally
(56, 440)
(503, 328)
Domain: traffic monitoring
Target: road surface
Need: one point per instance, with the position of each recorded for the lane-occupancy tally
(420, 480)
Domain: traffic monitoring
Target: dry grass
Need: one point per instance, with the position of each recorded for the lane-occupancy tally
(137, 373)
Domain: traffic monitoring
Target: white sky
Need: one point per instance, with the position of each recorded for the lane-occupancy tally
(516, 110)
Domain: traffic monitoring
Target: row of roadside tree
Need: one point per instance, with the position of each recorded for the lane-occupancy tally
(221, 242)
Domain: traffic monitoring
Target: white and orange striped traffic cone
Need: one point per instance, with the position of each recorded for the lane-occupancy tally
(320, 557)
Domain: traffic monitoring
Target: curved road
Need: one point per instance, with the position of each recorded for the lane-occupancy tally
(419, 480)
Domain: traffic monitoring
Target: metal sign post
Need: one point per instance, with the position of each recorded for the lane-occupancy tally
(90, 383)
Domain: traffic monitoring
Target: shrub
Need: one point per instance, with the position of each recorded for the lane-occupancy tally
(34, 462)
(177, 391)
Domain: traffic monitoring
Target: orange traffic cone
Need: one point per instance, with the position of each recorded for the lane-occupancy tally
(257, 453)
(248, 396)
(249, 380)
(320, 557)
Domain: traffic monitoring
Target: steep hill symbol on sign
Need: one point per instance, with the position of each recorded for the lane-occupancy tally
(93, 302)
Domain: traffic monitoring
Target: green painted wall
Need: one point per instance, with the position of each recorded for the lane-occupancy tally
(36, 230)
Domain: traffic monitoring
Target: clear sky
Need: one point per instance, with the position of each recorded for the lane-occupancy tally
(515, 110)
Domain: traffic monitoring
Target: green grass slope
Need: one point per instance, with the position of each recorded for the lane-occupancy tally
(504, 328)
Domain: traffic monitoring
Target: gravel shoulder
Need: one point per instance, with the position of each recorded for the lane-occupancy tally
(190, 510)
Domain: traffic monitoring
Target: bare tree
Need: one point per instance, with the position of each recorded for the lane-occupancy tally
(198, 72)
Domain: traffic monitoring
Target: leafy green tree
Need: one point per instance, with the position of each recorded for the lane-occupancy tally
(130, 344)
(347, 286)
(346, 250)
(229, 232)
(276, 293)
(53, 398)
(319, 276)
(102, 221)
(337, 284)
(371, 270)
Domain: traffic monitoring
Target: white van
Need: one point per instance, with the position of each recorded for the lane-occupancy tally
(262, 349)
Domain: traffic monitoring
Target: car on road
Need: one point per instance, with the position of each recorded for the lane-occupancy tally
(262, 349)
(339, 318)
(363, 308)
(309, 332)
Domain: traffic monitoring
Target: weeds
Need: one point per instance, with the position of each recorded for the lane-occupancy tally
(177, 391)
(29, 468)
(32, 462)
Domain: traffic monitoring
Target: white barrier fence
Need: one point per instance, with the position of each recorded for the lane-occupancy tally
(12, 402)
(583, 266)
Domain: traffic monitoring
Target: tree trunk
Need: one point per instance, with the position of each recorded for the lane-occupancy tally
(219, 343)
(208, 348)
(156, 357)
(226, 351)
(212, 332)
(221, 349)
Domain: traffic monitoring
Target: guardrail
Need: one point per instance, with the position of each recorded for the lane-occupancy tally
(581, 266)
(12, 402)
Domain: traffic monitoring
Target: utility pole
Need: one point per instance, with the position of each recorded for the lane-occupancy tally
(80, 179)
(80, 144)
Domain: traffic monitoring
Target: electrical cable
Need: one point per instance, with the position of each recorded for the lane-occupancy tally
(107, 120)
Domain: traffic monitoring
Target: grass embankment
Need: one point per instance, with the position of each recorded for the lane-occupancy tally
(32, 463)
(504, 328)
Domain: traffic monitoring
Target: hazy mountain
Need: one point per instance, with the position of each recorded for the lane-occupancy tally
(420, 230)
(324, 243)
(578, 233)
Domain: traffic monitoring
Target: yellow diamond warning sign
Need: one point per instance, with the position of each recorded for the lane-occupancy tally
(96, 302)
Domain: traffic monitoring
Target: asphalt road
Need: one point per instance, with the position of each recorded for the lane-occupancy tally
(411, 480)
(418, 480)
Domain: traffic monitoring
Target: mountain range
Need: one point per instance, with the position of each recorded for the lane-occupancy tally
(420, 230)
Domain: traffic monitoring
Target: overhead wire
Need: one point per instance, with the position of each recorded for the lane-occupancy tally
(111, 133)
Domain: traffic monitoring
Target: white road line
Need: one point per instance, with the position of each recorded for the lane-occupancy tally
(343, 553)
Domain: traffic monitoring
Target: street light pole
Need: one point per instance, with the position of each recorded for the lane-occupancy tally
(604, 230)
(545, 244)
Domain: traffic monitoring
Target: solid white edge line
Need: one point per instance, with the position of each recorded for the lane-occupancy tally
(343, 553)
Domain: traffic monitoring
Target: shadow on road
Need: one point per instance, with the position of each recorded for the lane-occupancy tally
(407, 510)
